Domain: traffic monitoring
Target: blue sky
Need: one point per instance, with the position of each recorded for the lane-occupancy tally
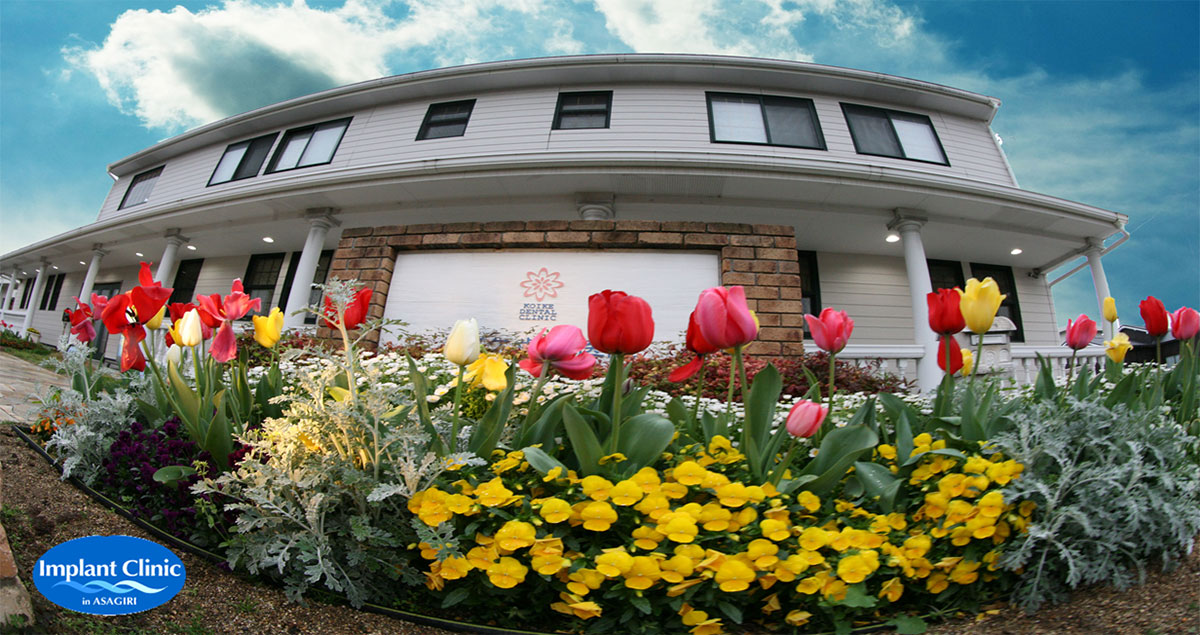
(1101, 100)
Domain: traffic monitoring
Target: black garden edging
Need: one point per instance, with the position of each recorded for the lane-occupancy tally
(416, 618)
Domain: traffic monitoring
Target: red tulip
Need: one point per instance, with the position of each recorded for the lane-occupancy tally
(956, 358)
(215, 311)
(356, 310)
(724, 318)
(1154, 314)
(1081, 332)
(945, 314)
(695, 343)
(831, 330)
(1185, 323)
(81, 322)
(562, 348)
(805, 418)
(619, 322)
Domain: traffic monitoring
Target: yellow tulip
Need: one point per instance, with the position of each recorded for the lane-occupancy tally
(1110, 309)
(979, 304)
(267, 329)
(462, 346)
(488, 371)
(175, 355)
(155, 322)
(189, 329)
(968, 362)
(1117, 347)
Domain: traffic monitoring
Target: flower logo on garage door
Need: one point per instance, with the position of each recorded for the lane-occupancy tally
(541, 284)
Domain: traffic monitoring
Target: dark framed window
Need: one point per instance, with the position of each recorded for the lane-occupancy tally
(184, 289)
(583, 110)
(139, 189)
(243, 160)
(1011, 306)
(447, 119)
(319, 276)
(762, 119)
(50, 293)
(308, 146)
(28, 291)
(810, 288)
(262, 273)
(891, 133)
(946, 274)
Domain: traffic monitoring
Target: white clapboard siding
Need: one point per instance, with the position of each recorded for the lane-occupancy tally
(1037, 309)
(873, 291)
(645, 118)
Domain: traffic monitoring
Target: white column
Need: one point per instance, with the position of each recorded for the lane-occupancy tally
(1101, 284)
(89, 279)
(38, 284)
(170, 258)
(12, 290)
(919, 286)
(320, 221)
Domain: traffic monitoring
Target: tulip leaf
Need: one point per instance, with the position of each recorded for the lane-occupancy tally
(711, 426)
(583, 440)
(944, 397)
(879, 482)
(789, 485)
(544, 430)
(172, 474)
(643, 439)
(943, 451)
(420, 391)
(189, 404)
(218, 440)
(759, 414)
(839, 450)
(487, 432)
(904, 437)
(1044, 388)
(541, 461)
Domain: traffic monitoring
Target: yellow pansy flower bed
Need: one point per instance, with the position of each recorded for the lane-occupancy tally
(691, 546)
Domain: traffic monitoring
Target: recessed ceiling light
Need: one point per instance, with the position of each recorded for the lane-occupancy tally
(55, 267)
(139, 254)
(192, 247)
(268, 239)
(893, 237)
(1017, 251)
(83, 263)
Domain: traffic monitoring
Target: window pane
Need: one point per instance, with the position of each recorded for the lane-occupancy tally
(265, 296)
(737, 119)
(139, 190)
(451, 129)
(324, 142)
(916, 135)
(292, 149)
(873, 133)
(791, 124)
(252, 162)
(229, 162)
(576, 120)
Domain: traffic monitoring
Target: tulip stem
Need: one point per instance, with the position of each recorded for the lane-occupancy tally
(832, 366)
(453, 444)
(777, 473)
(618, 369)
(699, 391)
(533, 396)
(741, 367)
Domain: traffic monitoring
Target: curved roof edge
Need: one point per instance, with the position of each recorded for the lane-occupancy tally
(576, 69)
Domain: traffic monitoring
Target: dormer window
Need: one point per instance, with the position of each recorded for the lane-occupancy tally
(307, 146)
(891, 133)
(447, 119)
(763, 119)
(139, 189)
(243, 160)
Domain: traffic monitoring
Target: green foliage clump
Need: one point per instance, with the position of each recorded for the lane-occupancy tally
(1115, 488)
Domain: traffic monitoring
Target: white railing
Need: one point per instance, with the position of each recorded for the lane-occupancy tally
(1025, 364)
(899, 360)
(1021, 367)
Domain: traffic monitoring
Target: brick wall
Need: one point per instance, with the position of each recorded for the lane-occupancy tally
(761, 258)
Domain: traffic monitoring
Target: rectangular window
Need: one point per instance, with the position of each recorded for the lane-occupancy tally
(139, 189)
(50, 293)
(582, 110)
(446, 120)
(946, 274)
(261, 276)
(810, 290)
(891, 133)
(28, 291)
(184, 289)
(243, 160)
(307, 146)
(777, 121)
(1010, 307)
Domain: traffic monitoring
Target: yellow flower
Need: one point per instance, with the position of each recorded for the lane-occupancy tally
(762, 552)
(482, 557)
(813, 538)
(647, 478)
(613, 458)
(654, 506)
(596, 487)
(1110, 309)
(626, 492)
(549, 564)
(676, 568)
(892, 589)
(979, 304)
(964, 572)
(598, 516)
(585, 580)
(1117, 347)
(555, 510)
(936, 583)
(487, 371)
(678, 526)
(855, 568)
(992, 504)
(714, 517)
(917, 546)
(515, 534)
(808, 501)
(886, 451)
(614, 562)
(267, 329)
(689, 473)
(462, 346)
(642, 573)
(493, 493)
(734, 575)
(798, 617)
(968, 362)
(775, 529)
(189, 331)
(582, 610)
(547, 546)
(455, 568)
(507, 573)
(155, 322)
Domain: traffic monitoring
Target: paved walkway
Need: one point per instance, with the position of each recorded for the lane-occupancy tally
(20, 383)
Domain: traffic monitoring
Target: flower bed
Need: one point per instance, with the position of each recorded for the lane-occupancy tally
(554, 498)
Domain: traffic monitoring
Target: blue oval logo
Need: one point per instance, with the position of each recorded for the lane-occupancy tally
(109, 575)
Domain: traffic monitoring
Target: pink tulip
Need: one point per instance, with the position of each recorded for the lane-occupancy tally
(1081, 332)
(831, 330)
(1185, 323)
(561, 348)
(724, 317)
(805, 418)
